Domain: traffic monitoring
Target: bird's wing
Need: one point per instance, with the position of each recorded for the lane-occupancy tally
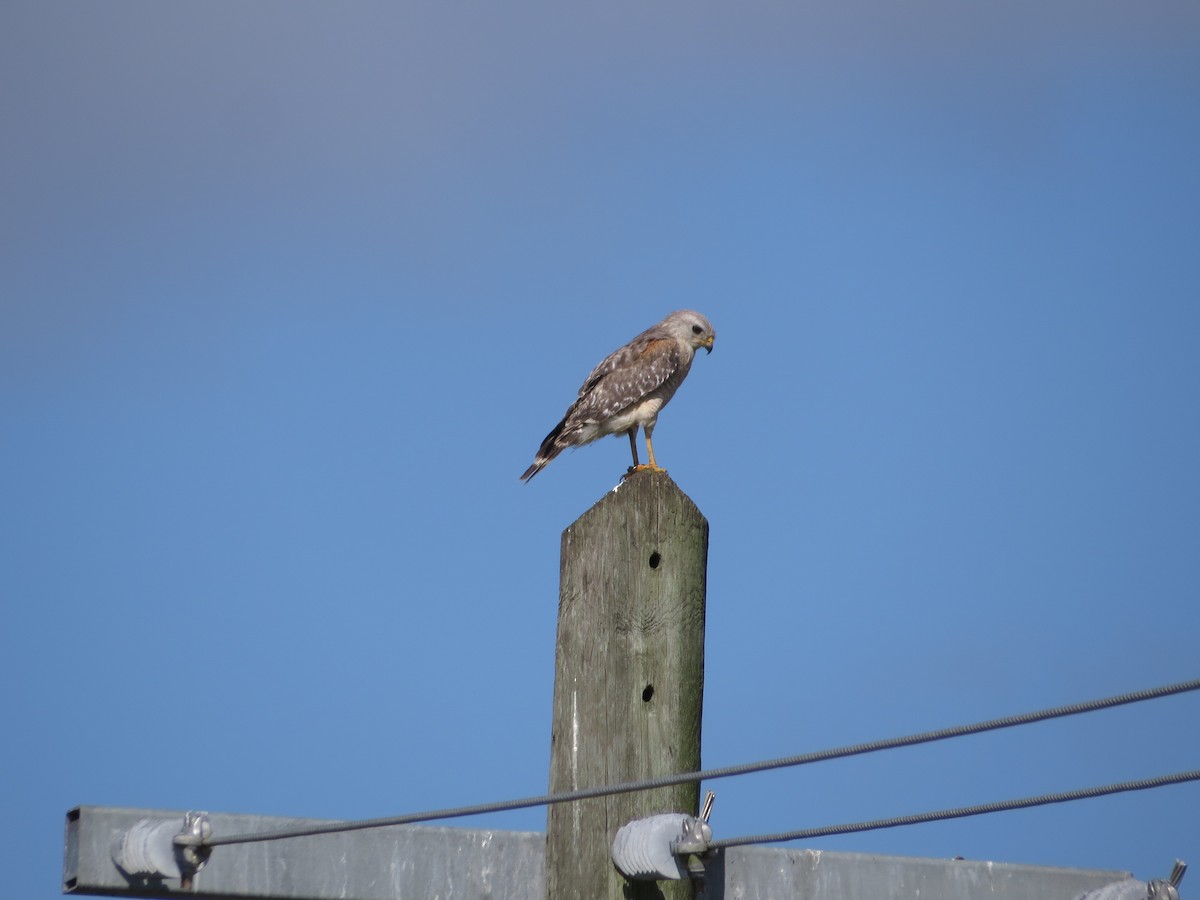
(626, 376)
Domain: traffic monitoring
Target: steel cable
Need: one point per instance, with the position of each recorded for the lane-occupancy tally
(646, 784)
(960, 813)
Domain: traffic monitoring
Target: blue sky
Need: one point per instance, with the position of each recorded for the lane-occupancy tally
(290, 293)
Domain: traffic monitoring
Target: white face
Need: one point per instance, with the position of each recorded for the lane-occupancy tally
(699, 331)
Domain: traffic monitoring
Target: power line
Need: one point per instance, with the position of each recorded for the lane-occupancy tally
(925, 737)
(960, 813)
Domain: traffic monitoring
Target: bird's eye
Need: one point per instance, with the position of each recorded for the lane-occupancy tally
(696, 329)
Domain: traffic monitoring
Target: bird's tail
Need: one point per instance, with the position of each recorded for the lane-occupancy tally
(538, 465)
(550, 448)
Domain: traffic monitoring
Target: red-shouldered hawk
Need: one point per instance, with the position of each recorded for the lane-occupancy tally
(629, 388)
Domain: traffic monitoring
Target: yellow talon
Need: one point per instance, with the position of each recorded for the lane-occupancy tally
(633, 470)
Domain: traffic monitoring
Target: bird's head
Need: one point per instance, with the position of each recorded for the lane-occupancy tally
(693, 328)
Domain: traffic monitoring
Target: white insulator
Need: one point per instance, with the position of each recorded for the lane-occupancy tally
(148, 849)
(644, 849)
(1128, 889)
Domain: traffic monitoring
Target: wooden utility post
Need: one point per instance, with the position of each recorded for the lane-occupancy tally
(627, 701)
(628, 678)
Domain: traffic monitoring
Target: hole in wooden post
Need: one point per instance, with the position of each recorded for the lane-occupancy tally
(648, 693)
(655, 559)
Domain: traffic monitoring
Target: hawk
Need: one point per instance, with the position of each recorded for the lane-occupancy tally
(629, 388)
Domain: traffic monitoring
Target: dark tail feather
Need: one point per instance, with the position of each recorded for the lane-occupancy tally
(537, 466)
(550, 448)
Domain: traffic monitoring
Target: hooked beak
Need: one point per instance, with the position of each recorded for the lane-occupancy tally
(708, 345)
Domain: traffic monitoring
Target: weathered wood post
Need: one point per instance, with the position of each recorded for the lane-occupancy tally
(628, 678)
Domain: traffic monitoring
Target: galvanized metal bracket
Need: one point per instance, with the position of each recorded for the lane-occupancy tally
(1167, 888)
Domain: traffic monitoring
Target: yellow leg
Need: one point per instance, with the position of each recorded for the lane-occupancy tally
(652, 466)
(637, 466)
